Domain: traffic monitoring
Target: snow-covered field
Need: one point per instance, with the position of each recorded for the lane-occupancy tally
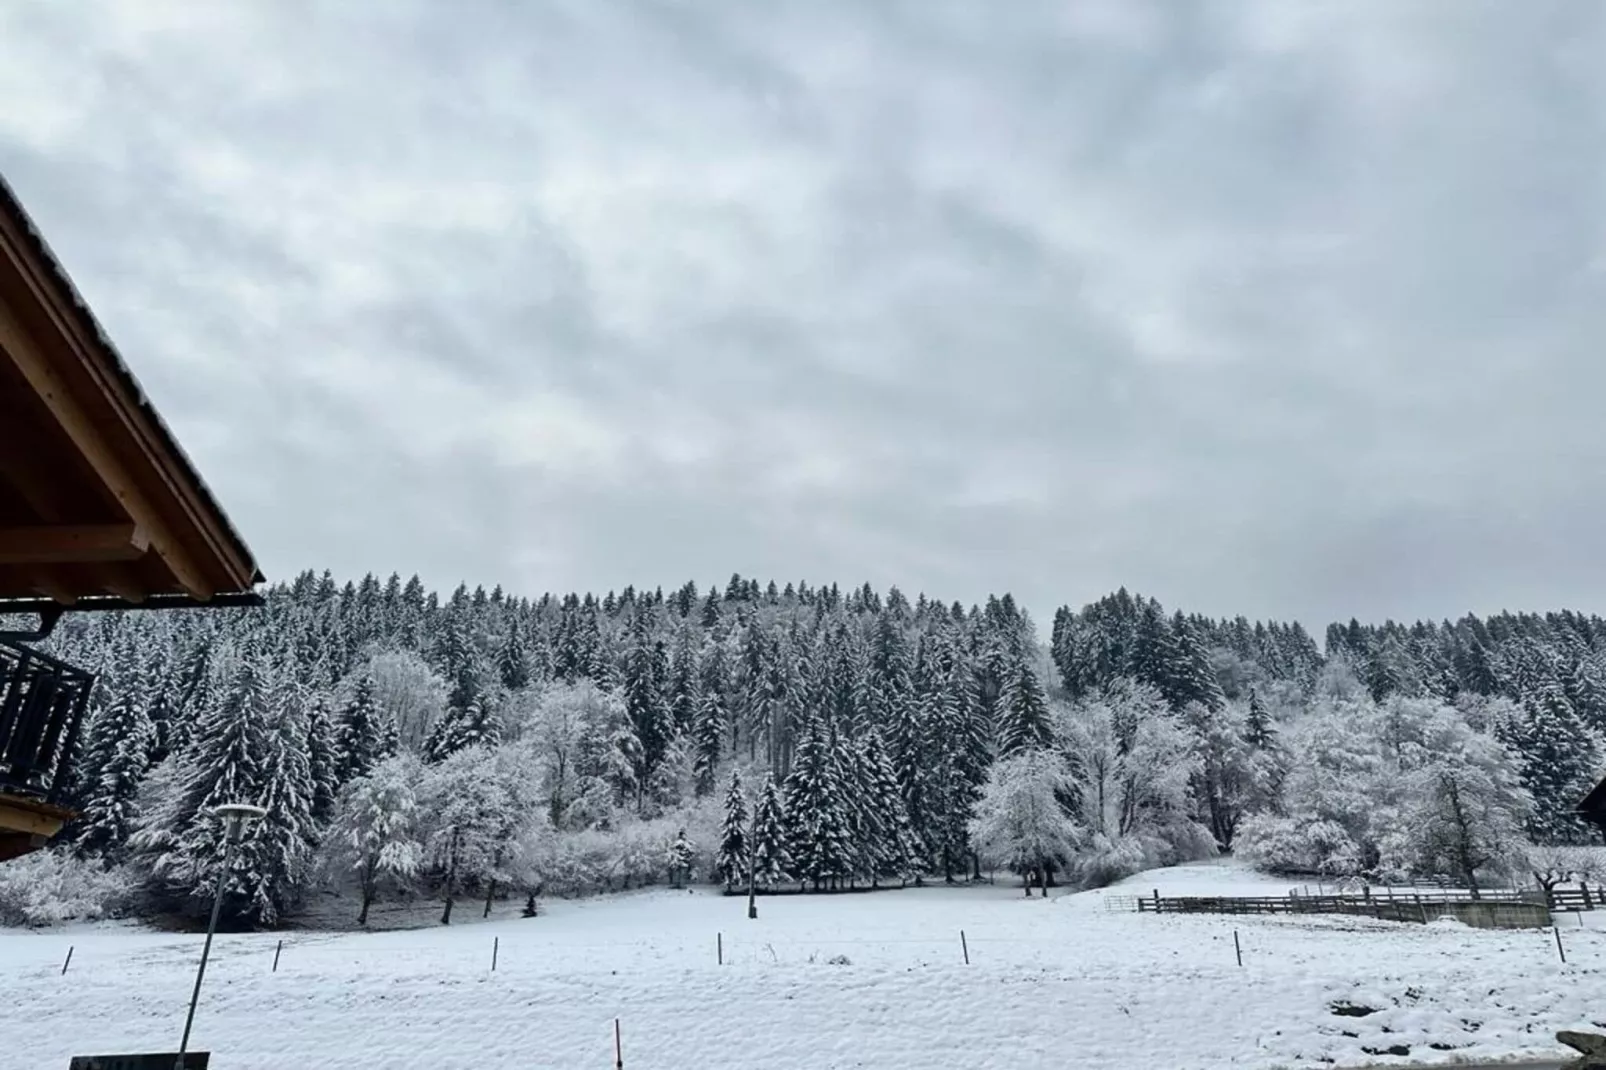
(1062, 983)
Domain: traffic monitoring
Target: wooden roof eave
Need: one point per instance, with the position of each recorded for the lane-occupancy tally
(60, 351)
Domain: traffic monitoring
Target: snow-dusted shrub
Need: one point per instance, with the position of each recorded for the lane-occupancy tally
(1291, 846)
(50, 887)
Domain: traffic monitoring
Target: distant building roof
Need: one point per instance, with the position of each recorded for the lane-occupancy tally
(1594, 805)
(98, 501)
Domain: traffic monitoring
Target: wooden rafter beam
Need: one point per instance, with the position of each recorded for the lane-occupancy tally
(118, 578)
(72, 544)
(47, 383)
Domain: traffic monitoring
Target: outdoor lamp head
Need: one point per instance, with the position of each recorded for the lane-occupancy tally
(238, 816)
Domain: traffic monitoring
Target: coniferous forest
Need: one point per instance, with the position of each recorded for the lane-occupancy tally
(484, 747)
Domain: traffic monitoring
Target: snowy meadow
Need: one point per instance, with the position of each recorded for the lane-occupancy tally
(1062, 982)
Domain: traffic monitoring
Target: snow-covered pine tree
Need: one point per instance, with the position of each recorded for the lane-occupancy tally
(1194, 679)
(360, 734)
(646, 709)
(275, 858)
(228, 762)
(321, 758)
(684, 698)
(817, 813)
(474, 726)
(512, 661)
(679, 859)
(1022, 710)
(734, 848)
(1258, 730)
(894, 852)
(116, 758)
(772, 860)
(708, 736)
(1560, 760)
(1155, 655)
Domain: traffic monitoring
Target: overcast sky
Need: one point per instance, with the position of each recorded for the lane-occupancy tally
(1289, 309)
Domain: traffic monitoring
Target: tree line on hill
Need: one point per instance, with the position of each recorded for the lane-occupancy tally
(804, 736)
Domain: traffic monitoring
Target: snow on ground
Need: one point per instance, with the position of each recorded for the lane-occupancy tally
(1067, 982)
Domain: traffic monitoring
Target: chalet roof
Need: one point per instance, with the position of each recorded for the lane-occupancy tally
(98, 500)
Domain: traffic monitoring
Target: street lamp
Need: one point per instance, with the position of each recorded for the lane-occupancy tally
(236, 817)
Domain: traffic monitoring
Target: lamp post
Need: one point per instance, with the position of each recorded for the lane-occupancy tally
(236, 816)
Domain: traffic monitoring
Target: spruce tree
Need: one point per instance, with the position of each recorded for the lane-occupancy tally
(513, 662)
(321, 757)
(1559, 762)
(1155, 656)
(893, 850)
(116, 758)
(1195, 678)
(734, 849)
(1258, 731)
(708, 736)
(360, 736)
(645, 706)
(276, 854)
(818, 818)
(229, 762)
(681, 855)
(463, 728)
(1022, 710)
(772, 859)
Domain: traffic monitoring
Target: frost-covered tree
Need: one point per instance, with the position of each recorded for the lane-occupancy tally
(568, 732)
(470, 820)
(1227, 781)
(1130, 764)
(734, 848)
(1020, 822)
(374, 832)
(1336, 797)
(410, 693)
(1463, 807)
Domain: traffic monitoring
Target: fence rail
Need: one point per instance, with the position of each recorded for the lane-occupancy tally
(1500, 907)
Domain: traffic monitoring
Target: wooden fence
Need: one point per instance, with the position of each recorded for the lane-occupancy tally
(1496, 907)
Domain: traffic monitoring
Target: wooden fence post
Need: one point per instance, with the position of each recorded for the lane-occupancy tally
(1157, 900)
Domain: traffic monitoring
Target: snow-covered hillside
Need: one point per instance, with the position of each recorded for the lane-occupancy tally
(1067, 982)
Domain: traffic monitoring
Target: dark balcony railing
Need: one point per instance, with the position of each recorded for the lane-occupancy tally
(42, 701)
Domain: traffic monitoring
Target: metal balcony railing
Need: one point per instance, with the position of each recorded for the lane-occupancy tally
(42, 703)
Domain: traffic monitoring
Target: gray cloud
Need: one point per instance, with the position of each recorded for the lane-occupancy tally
(1284, 309)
